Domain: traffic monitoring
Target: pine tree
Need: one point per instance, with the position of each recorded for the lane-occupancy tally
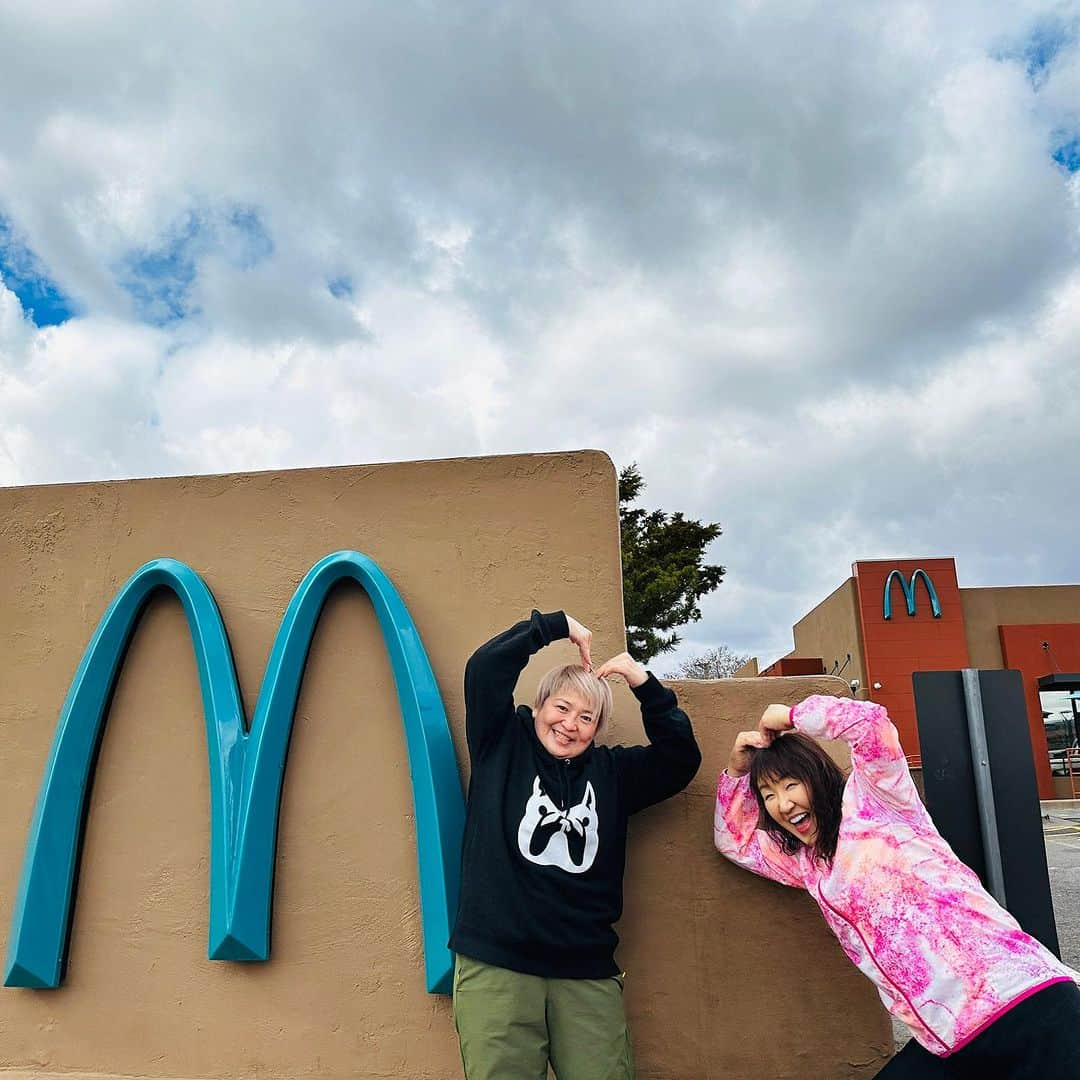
(663, 574)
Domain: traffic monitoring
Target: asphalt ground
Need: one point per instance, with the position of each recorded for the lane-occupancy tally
(1061, 833)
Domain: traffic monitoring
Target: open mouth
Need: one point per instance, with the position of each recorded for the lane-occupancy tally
(562, 738)
(801, 822)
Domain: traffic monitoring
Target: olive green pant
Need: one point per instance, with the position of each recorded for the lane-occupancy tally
(510, 1025)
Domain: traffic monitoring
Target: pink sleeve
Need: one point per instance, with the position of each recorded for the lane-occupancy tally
(738, 838)
(877, 759)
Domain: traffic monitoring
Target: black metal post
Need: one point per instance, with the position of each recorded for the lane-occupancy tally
(1007, 772)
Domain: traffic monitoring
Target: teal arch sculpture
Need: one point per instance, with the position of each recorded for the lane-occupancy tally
(909, 593)
(246, 770)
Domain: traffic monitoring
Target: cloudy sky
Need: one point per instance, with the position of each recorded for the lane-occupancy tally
(814, 266)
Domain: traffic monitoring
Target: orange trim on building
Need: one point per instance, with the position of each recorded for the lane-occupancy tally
(1022, 649)
(795, 665)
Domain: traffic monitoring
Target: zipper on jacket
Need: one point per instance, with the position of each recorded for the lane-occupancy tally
(870, 953)
(565, 784)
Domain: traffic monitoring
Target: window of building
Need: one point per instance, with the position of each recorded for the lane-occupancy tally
(1061, 721)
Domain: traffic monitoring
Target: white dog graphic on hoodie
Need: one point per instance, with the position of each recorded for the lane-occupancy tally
(566, 838)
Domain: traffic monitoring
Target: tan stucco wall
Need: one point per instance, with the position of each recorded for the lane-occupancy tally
(986, 609)
(471, 545)
(831, 631)
(716, 999)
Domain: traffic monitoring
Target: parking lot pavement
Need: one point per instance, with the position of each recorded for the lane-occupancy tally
(1061, 832)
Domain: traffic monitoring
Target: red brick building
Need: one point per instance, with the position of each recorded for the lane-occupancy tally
(893, 617)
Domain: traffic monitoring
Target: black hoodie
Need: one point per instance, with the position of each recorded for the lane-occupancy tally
(545, 839)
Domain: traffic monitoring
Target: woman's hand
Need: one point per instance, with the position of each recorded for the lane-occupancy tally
(742, 753)
(774, 719)
(626, 666)
(582, 638)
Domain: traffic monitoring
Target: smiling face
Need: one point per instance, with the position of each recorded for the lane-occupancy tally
(787, 801)
(793, 777)
(565, 724)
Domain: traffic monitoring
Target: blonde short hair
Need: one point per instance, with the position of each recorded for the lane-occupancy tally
(584, 683)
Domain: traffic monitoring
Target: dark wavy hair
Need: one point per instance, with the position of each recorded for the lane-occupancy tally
(798, 756)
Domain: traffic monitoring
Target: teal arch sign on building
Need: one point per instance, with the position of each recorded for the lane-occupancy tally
(908, 588)
(247, 767)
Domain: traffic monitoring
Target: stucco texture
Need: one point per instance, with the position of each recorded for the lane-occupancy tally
(471, 545)
(831, 631)
(986, 610)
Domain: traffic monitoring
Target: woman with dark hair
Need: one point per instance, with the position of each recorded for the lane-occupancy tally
(981, 997)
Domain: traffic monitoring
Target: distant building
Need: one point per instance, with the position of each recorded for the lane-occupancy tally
(893, 617)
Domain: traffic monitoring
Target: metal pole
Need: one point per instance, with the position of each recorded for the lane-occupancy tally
(984, 791)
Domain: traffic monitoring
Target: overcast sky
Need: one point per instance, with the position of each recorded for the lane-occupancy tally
(814, 266)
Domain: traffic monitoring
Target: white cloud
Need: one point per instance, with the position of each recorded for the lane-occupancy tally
(815, 269)
(76, 400)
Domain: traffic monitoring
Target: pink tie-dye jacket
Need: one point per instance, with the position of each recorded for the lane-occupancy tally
(947, 960)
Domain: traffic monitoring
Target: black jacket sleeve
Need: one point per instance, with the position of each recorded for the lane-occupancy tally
(650, 774)
(492, 673)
